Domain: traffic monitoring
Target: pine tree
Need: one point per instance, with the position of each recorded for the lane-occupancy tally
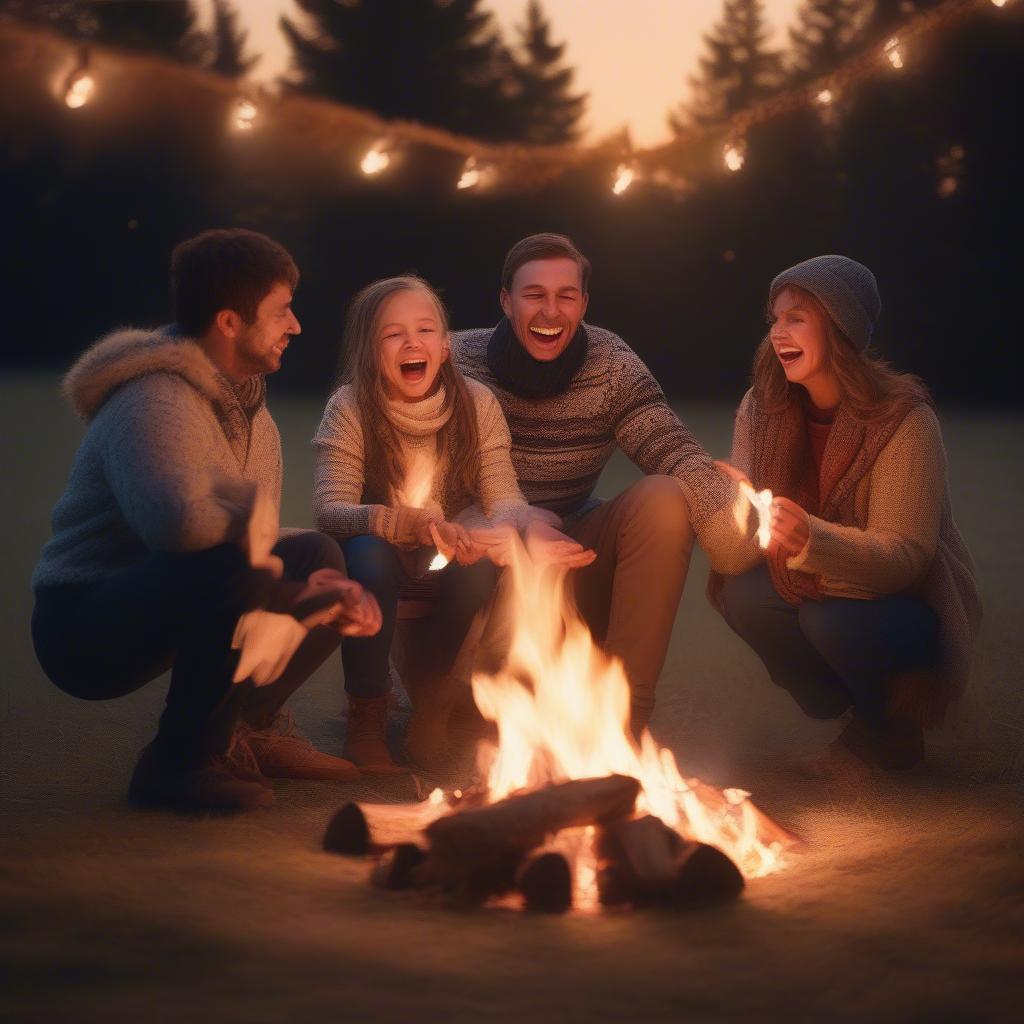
(739, 69)
(826, 33)
(549, 113)
(167, 28)
(438, 63)
(229, 57)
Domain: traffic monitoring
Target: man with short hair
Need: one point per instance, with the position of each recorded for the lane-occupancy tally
(572, 393)
(148, 566)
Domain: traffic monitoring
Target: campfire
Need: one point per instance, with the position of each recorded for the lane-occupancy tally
(569, 810)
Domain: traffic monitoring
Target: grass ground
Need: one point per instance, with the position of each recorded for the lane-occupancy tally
(908, 905)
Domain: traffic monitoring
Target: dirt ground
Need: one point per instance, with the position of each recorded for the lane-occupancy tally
(907, 906)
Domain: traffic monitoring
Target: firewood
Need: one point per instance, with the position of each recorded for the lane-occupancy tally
(546, 883)
(396, 869)
(645, 861)
(475, 853)
(347, 832)
(705, 877)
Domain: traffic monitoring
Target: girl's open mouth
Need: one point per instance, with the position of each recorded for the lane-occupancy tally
(413, 370)
(788, 354)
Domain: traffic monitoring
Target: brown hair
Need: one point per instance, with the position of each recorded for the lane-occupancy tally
(869, 385)
(545, 246)
(458, 441)
(227, 268)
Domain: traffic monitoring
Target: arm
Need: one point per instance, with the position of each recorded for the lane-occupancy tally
(908, 483)
(651, 434)
(156, 461)
(339, 474)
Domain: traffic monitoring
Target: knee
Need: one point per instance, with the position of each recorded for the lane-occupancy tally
(658, 506)
(373, 562)
(320, 551)
(831, 626)
(747, 598)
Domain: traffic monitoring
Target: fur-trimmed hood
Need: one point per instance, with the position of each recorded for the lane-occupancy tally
(130, 353)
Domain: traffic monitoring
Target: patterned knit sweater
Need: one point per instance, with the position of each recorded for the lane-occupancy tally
(164, 426)
(561, 444)
(341, 505)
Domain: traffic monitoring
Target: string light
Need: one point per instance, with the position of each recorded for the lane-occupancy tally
(734, 154)
(894, 53)
(950, 167)
(476, 174)
(79, 85)
(244, 114)
(624, 175)
(999, 3)
(825, 97)
(376, 160)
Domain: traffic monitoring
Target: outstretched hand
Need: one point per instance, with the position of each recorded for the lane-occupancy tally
(548, 546)
(456, 543)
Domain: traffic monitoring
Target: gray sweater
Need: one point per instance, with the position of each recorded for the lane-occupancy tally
(163, 425)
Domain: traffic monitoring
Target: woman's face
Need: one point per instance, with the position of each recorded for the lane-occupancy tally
(798, 335)
(411, 345)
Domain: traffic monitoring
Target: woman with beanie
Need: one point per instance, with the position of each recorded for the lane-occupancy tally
(867, 599)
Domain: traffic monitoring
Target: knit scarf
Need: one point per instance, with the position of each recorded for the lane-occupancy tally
(778, 452)
(423, 418)
(518, 372)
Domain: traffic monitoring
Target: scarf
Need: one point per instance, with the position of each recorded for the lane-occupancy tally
(423, 418)
(779, 450)
(517, 371)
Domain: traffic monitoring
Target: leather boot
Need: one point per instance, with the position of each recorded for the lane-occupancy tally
(366, 737)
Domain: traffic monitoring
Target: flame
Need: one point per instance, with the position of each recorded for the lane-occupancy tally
(562, 710)
(437, 562)
(761, 503)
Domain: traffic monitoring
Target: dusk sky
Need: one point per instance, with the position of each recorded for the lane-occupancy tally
(632, 58)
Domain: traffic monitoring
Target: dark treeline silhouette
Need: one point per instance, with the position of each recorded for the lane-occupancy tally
(442, 64)
(914, 174)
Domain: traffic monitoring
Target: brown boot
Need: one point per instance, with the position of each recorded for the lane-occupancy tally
(211, 785)
(282, 752)
(366, 736)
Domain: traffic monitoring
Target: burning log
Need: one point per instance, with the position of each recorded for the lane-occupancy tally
(397, 869)
(546, 883)
(645, 861)
(347, 832)
(475, 854)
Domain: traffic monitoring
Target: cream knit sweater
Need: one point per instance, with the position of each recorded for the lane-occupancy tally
(894, 533)
(340, 479)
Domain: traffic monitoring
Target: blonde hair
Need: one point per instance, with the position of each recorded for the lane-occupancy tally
(458, 441)
(870, 387)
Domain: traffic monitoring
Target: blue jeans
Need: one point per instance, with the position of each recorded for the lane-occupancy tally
(834, 653)
(462, 590)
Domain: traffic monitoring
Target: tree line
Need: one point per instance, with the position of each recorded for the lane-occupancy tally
(447, 64)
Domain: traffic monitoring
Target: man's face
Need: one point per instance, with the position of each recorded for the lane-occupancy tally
(545, 305)
(260, 344)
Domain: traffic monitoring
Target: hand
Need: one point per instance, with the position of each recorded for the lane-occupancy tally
(790, 527)
(500, 543)
(331, 599)
(412, 527)
(454, 541)
(549, 546)
(266, 642)
(731, 471)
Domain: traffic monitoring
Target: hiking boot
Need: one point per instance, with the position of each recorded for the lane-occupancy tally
(366, 736)
(211, 785)
(280, 751)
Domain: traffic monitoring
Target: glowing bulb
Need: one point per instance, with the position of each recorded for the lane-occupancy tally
(80, 88)
(733, 155)
(376, 159)
(825, 97)
(947, 186)
(624, 176)
(894, 53)
(470, 174)
(244, 114)
(999, 3)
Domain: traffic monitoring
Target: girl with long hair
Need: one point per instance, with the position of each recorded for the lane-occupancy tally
(409, 454)
(866, 602)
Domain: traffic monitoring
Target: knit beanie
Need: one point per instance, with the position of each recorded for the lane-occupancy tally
(846, 289)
